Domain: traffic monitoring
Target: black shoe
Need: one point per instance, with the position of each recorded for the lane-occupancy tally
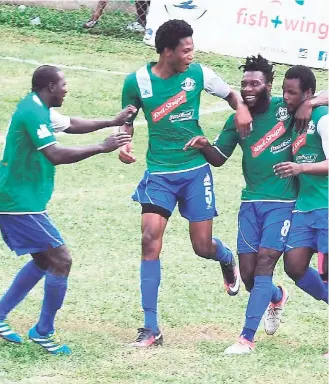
(146, 338)
(231, 276)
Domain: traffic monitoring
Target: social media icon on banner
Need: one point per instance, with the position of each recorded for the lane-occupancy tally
(323, 56)
(303, 53)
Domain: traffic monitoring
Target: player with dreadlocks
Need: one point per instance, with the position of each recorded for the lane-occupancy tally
(267, 201)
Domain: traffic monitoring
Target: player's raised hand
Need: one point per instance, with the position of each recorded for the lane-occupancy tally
(125, 154)
(243, 121)
(124, 115)
(112, 142)
(287, 169)
(197, 142)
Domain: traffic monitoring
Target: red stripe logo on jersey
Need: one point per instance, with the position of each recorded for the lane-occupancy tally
(277, 131)
(169, 106)
(298, 143)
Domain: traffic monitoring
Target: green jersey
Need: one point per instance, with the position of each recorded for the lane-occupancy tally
(26, 175)
(308, 148)
(269, 143)
(171, 109)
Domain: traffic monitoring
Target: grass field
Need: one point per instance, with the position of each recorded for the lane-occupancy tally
(92, 207)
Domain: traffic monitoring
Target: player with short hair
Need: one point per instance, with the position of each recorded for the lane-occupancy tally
(27, 171)
(267, 201)
(169, 92)
(310, 148)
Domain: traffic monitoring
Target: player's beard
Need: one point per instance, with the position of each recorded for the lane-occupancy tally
(262, 103)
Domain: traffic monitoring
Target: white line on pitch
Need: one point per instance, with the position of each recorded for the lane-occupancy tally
(72, 67)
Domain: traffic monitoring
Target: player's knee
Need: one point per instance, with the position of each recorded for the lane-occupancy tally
(151, 245)
(61, 261)
(203, 249)
(247, 277)
(293, 270)
(266, 261)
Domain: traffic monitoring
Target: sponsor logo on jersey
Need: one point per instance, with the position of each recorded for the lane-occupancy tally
(182, 116)
(309, 158)
(277, 131)
(169, 106)
(188, 84)
(281, 147)
(311, 128)
(43, 131)
(298, 143)
(282, 114)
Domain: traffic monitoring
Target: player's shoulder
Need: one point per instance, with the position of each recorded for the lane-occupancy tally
(277, 101)
(32, 105)
(320, 111)
(229, 123)
(140, 75)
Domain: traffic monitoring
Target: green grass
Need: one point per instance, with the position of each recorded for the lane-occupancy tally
(92, 208)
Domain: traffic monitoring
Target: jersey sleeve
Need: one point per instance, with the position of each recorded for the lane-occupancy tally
(130, 95)
(213, 84)
(228, 139)
(39, 129)
(59, 122)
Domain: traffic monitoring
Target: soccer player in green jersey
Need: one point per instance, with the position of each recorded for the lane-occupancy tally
(27, 171)
(168, 92)
(310, 149)
(267, 201)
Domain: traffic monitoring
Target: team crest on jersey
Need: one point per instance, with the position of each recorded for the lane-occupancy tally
(282, 114)
(298, 143)
(188, 84)
(311, 128)
(277, 131)
(168, 106)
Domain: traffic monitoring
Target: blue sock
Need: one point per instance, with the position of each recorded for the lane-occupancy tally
(248, 334)
(150, 281)
(312, 284)
(277, 294)
(55, 289)
(24, 281)
(259, 299)
(223, 254)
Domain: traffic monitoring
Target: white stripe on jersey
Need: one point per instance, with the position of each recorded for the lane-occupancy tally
(144, 82)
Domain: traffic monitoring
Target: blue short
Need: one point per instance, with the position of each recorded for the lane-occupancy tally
(30, 233)
(192, 190)
(263, 224)
(309, 229)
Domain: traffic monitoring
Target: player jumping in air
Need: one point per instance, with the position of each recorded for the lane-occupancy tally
(168, 92)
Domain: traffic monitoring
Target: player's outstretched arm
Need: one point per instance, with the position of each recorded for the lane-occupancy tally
(58, 154)
(80, 125)
(212, 155)
(303, 114)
